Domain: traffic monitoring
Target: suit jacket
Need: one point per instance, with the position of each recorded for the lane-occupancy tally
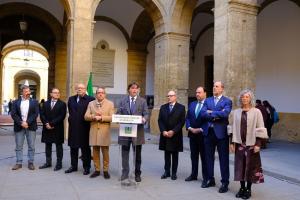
(191, 119)
(218, 119)
(100, 131)
(55, 117)
(141, 109)
(78, 128)
(33, 113)
(173, 120)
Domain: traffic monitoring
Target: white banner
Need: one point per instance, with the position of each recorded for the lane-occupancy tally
(128, 119)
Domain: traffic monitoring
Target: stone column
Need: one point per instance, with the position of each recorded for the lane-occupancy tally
(137, 68)
(235, 44)
(61, 69)
(80, 31)
(1, 79)
(171, 71)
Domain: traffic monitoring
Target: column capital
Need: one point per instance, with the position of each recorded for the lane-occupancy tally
(173, 35)
(238, 6)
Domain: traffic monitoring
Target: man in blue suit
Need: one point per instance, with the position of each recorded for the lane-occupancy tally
(216, 110)
(24, 112)
(195, 133)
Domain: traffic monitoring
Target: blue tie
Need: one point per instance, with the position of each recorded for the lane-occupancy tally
(198, 108)
(170, 107)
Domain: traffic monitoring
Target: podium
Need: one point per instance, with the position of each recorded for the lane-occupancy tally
(128, 130)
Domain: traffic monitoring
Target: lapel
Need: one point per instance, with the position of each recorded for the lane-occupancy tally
(55, 105)
(19, 105)
(173, 109)
(220, 101)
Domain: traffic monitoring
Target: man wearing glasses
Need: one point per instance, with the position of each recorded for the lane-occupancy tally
(170, 121)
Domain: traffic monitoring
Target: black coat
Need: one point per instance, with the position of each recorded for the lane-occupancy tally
(33, 113)
(55, 117)
(173, 120)
(78, 128)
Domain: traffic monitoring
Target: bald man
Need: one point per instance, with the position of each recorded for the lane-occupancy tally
(79, 129)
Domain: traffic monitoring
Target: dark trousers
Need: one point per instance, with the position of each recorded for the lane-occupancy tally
(137, 157)
(197, 147)
(168, 155)
(86, 157)
(59, 153)
(210, 144)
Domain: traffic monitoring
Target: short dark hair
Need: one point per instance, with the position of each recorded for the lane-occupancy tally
(258, 101)
(54, 88)
(132, 84)
(204, 89)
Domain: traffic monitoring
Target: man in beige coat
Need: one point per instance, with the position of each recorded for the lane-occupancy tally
(99, 112)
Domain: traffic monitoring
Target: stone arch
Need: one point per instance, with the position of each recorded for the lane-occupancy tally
(182, 13)
(35, 12)
(142, 32)
(205, 28)
(67, 4)
(12, 48)
(205, 7)
(27, 74)
(154, 9)
(265, 3)
(115, 23)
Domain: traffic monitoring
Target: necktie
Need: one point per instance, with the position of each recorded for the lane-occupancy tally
(216, 100)
(198, 108)
(170, 107)
(52, 104)
(132, 104)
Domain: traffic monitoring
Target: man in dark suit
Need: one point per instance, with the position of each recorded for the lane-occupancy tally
(171, 120)
(24, 113)
(216, 110)
(195, 133)
(79, 129)
(133, 104)
(52, 115)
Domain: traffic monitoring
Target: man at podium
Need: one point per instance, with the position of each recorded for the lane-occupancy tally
(132, 104)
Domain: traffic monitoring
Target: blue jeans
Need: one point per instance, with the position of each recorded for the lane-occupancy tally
(19, 138)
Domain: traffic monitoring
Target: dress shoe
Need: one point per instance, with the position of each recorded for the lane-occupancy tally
(191, 178)
(124, 177)
(206, 184)
(165, 175)
(57, 167)
(95, 174)
(86, 172)
(247, 194)
(138, 178)
(106, 175)
(174, 177)
(46, 165)
(16, 167)
(223, 188)
(240, 193)
(70, 170)
(31, 166)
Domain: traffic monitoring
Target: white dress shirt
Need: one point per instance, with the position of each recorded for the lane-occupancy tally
(24, 107)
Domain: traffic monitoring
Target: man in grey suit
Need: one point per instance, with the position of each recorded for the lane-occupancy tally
(133, 104)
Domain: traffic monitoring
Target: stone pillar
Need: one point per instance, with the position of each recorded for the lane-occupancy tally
(137, 68)
(1, 79)
(80, 32)
(235, 44)
(61, 69)
(171, 71)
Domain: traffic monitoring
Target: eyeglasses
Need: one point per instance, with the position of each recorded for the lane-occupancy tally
(172, 95)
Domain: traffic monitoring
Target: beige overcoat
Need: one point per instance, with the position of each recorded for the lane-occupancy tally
(100, 130)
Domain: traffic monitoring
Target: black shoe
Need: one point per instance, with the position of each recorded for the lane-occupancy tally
(223, 188)
(106, 175)
(46, 165)
(70, 170)
(191, 178)
(95, 174)
(57, 167)
(165, 175)
(247, 194)
(240, 193)
(138, 178)
(174, 177)
(124, 177)
(86, 172)
(209, 183)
